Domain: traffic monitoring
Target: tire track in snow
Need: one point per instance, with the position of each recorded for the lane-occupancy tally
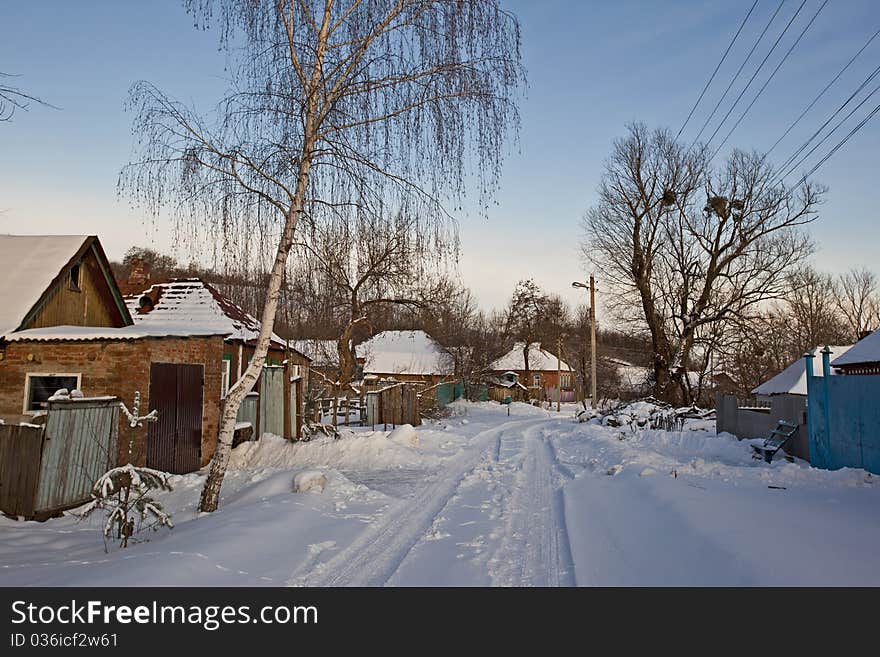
(374, 557)
(535, 550)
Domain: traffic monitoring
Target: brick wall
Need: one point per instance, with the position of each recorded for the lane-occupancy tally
(116, 368)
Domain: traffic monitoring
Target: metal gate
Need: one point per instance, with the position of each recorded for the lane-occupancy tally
(174, 441)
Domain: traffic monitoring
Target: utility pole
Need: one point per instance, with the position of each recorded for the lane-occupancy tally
(558, 372)
(592, 288)
(593, 340)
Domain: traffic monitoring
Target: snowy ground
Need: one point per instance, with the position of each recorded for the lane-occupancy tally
(487, 499)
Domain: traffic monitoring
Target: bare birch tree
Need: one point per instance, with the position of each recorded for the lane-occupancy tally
(688, 246)
(336, 109)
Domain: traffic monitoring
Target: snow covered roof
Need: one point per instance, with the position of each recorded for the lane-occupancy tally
(403, 352)
(540, 360)
(28, 265)
(84, 333)
(866, 350)
(793, 379)
(190, 306)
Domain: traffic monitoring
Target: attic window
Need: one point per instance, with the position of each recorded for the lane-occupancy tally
(74, 278)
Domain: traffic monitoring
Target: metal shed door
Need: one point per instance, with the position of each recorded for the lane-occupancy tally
(174, 442)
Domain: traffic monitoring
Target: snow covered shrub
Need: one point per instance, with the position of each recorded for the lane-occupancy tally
(124, 494)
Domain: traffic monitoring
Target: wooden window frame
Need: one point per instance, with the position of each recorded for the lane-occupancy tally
(71, 285)
(226, 370)
(34, 375)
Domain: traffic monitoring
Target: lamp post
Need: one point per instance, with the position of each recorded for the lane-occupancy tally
(592, 288)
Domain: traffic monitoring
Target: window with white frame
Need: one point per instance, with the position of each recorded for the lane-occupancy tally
(225, 374)
(39, 387)
(566, 380)
(536, 379)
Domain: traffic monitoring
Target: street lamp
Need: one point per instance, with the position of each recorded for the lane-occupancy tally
(592, 288)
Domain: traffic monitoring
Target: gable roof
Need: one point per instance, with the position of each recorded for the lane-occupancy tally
(403, 352)
(31, 265)
(184, 305)
(866, 350)
(540, 360)
(793, 379)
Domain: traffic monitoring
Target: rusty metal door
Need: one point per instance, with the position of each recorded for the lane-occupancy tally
(174, 442)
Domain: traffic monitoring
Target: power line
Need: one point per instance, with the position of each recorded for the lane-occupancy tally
(858, 127)
(758, 70)
(736, 75)
(822, 93)
(833, 130)
(794, 155)
(712, 77)
(764, 86)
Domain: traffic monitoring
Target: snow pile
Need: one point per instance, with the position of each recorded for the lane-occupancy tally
(406, 435)
(309, 480)
(362, 450)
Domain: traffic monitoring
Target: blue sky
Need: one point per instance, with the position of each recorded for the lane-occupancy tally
(592, 68)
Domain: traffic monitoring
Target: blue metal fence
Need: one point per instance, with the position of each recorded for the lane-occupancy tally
(843, 415)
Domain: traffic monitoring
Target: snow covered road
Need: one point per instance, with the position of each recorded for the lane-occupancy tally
(486, 499)
(511, 462)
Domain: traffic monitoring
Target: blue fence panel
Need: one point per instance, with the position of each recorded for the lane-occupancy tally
(844, 421)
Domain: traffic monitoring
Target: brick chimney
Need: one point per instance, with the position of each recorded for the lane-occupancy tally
(138, 274)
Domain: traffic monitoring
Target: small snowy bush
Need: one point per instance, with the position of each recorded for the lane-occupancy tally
(124, 494)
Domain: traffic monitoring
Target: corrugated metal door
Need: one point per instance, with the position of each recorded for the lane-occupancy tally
(174, 441)
(272, 400)
(80, 446)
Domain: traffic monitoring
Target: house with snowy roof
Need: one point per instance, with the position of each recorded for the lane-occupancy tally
(409, 356)
(863, 358)
(65, 324)
(184, 304)
(793, 379)
(547, 373)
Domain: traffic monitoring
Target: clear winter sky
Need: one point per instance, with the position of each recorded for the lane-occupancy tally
(592, 67)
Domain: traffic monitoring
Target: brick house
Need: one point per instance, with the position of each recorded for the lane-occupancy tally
(64, 324)
(547, 373)
(185, 303)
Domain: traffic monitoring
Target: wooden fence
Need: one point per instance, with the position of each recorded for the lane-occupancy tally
(394, 405)
(46, 469)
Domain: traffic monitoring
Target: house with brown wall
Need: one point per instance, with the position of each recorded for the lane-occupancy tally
(546, 371)
(65, 324)
(192, 303)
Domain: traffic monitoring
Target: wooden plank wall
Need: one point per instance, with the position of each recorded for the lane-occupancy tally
(20, 449)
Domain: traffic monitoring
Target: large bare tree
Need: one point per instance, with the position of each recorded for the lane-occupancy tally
(858, 301)
(366, 267)
(336, 109)
(687, 246)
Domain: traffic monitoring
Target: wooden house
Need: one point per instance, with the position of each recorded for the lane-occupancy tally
(547, 375)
